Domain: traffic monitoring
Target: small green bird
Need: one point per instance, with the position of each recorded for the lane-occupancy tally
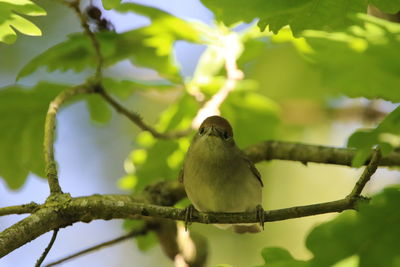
(217, 175)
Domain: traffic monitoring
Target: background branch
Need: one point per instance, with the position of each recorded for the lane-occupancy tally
(111, 242)
(304, 153)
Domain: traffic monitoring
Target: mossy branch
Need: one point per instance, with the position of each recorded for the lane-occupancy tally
(49, 134)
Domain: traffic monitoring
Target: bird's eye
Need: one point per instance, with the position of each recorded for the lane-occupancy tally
(201, 131)
(226, 135)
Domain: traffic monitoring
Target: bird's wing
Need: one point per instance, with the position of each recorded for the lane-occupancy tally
(180, 175)
(253, 169)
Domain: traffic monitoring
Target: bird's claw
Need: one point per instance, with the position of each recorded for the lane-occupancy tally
(188, 215)
(260, 215)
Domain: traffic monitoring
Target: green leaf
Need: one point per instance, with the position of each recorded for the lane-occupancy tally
(374, 48)
(254, 117)
(22, 116)
(125, 88)
(144, 242)
(279, 257)
(328, 15)
(77, 54)
(387, 6)
(386, 135)
(150, 46)
(99, 110)
(110, 4)
(10, 20)
(165, 27)
(372, 234)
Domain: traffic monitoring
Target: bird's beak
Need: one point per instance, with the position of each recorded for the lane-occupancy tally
(213, 131)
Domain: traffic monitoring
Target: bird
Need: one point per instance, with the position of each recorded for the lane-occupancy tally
(219, 177)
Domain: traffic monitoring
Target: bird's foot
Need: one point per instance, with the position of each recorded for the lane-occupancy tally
(260, 215)
(188, 215)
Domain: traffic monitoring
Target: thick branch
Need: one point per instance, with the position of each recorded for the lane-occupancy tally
(67, 211)
(49, 135)
(136, 119)
(305, 153)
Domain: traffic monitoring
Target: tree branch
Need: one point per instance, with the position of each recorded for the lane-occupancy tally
(304, 153)
(49, 134)
(111, 242)
(68, 210)
(136, 119)
(64, 211)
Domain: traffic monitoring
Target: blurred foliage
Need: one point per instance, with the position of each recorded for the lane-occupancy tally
(109, 4)
(279, 257)
(150, 46)
(144, 242)
(370, 50)
(22, 113)
(386, 135)
(125, 88)
(328, 15)
(388, 6)
(371, 234)
(11, 19)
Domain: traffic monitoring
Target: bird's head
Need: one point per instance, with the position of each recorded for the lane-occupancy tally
(216, 127)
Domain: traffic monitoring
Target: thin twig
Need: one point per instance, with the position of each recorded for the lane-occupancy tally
(135, 118)
(49, 135)
(46, 251)
(95, 43)
(369, 170)
(111, 242)
(19, 209)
